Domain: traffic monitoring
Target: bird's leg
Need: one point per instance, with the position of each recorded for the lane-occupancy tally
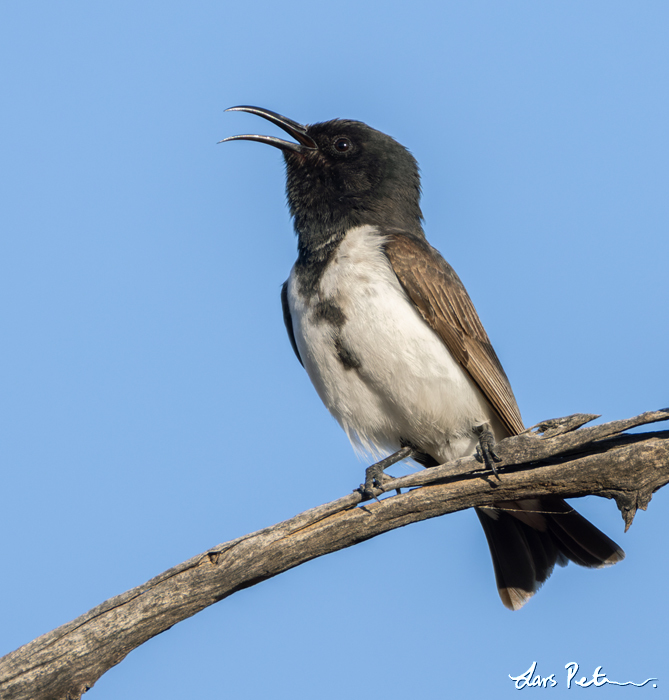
(374, 475)
(485, 450)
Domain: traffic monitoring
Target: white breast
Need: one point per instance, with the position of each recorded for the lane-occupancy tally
(407, 385)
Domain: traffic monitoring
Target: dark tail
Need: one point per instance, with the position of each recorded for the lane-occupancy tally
(527, 539)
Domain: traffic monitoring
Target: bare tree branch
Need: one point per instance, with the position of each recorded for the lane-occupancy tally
(555, 457)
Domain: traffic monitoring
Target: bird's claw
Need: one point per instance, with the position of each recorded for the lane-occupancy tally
(373, 486)
(374, 475)
(485, 450)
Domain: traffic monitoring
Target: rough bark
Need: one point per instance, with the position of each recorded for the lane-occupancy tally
(556, 457)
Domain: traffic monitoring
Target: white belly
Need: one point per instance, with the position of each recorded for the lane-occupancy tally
(406, 384)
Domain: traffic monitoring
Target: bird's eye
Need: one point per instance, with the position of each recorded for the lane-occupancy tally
(342, 144)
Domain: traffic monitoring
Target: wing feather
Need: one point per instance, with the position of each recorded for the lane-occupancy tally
(442, 300)
(288, 320)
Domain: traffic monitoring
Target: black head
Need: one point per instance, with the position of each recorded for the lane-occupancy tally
(341, 174)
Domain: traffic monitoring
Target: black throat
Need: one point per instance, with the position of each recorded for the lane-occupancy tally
(375, 182)
(322, 225)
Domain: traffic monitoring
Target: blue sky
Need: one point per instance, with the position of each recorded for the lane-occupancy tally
(151, 403)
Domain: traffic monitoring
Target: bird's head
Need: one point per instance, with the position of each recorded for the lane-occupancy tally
(343, 173)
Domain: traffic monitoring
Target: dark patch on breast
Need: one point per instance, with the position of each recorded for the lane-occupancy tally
(328, 312)
(345, 355)
(315, 253)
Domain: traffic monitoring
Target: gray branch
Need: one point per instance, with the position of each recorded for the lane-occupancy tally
(555, 457)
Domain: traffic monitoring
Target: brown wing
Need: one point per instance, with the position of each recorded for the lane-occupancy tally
(440, 296)
(288, 320)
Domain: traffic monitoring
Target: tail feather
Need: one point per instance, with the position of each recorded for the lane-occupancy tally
(580, 536)
(522, 557)
(527, 539)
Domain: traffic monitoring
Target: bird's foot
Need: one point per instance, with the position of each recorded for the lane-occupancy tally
(485, 450)
(374, 474)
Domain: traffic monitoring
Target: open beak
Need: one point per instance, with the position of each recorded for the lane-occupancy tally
(297, 131)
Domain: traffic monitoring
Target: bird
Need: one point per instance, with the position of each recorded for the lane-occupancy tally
(392, 342)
